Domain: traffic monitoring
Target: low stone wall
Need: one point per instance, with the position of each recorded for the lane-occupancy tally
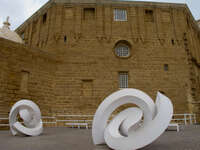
(26, 73)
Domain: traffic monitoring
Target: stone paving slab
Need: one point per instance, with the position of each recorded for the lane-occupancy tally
(80, 139)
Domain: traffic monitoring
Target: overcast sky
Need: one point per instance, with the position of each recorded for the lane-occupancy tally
(20, 10)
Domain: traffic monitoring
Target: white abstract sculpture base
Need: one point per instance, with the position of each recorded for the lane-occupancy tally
(30, 113)
(127, 131)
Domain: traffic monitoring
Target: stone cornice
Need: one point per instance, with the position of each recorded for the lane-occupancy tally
(44, 8)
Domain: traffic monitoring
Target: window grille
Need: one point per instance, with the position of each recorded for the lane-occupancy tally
(120, 15)
(122, 51)
(123, 80)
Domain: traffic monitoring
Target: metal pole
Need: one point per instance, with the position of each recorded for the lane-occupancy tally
(191, 119)
(195, 121)
(185, 119)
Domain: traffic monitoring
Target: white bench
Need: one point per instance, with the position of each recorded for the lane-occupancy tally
(4, 125)
(78, 124)
(49, 120)
(174, 125)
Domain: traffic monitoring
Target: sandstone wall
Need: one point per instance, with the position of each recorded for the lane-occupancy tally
(89, 68)
(89, 60)
(26, 73)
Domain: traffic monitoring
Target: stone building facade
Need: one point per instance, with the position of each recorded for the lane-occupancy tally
(78, 52)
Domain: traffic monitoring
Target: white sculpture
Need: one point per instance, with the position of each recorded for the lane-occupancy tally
(30, 113)
(127, 131)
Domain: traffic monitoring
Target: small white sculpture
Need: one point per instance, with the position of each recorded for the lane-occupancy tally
(7, 24)
(30, 113)
(128, 131)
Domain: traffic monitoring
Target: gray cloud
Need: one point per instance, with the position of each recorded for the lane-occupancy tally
(20, 10)
(194, 6)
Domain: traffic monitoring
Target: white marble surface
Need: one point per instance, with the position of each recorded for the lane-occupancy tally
(31, 116)
(127, 130)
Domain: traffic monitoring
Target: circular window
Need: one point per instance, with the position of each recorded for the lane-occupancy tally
(122, 51)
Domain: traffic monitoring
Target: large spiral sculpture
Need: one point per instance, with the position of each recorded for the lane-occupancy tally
(31, 116)
(134, 127)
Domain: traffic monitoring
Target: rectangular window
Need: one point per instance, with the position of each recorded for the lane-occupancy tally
(69, 13)
(123, 79)
(87, 88)
(166, 67)
(65, 39)
(89, 13)
(24, 81)
(22, 35)
(34, 26)
(173, 42)
(120, 15)
(166, 16)
(44, 19)
(149, 15)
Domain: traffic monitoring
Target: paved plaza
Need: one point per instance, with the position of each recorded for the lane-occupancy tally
(80, 139)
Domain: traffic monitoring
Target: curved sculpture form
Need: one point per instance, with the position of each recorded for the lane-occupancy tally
(30, 113)
(128, 131)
